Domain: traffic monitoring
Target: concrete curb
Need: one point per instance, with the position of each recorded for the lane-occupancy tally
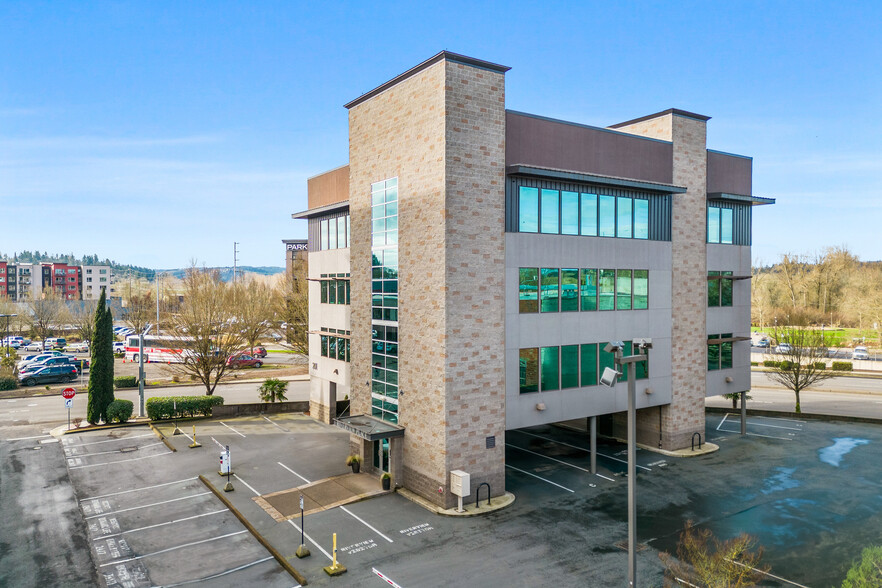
(162, 437)
(813, 416)
(497, 503)
(63, 430)
(272, 550)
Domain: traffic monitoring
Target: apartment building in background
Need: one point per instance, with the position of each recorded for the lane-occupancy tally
(21, 282)
(470, 262)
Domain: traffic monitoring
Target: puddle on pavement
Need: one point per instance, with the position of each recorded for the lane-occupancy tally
(780, 481)
(841, 446)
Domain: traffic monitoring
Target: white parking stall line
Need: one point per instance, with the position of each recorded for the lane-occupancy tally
(539, 477)
(117, 450)
(232, 429)
(365, 523)
(95, 465)
(213, 576)
(219, 444)
(722, 421)
(139, 489)
(28, 438)
(160, 552)
(778, 419)
(118, 439)
(311, 540)
(758, 435)
(208, 514)
(750, 423)
(293, 472)
(557, 460)
(583, 449)
(272, 422)
(107, 514)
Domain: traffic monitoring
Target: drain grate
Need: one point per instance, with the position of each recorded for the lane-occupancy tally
(623, 545)
(128, 449)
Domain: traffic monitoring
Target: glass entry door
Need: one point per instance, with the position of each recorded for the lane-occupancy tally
(381, 455)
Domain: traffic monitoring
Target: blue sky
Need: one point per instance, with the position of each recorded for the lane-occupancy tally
(157, 133)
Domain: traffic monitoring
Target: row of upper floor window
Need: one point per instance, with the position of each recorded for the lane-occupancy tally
(334, 291)
(574, 289)
(569, 366)
(565, 212)
(334, 233)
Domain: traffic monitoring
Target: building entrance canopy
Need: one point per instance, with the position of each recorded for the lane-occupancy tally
(369, 428)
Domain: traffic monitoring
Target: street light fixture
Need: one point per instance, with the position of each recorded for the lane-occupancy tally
(609, 378)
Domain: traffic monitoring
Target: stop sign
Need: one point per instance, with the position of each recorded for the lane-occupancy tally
(68, 393)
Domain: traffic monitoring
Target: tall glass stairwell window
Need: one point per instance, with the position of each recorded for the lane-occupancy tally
(384, 300)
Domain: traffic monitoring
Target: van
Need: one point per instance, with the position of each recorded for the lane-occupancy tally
(54, 343)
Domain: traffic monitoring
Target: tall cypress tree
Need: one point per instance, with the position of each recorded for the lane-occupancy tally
(108, 355)
(96, 407)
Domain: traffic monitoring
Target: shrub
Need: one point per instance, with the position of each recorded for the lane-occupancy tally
(119, 411)
(770, 363)
(841, 366)
(353, 459)
(166, 407)
(125, 382)
(754, 363)
(820, 365)
(8, 383)
(273, 390)
(785, 365)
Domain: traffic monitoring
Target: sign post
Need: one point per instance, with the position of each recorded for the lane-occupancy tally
(302, 551)
(68, 394)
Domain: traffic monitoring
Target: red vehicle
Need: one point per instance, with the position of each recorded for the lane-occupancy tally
(243, 359)
(258, 351)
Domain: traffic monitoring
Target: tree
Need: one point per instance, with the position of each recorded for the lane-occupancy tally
(100, 386)
(704, 560)
(47, 312)
(292, 303)
(866, 573)
(83, 318)
(140, 309)
(802, 365)
(254, 310)
(205, 324)
(273, 390)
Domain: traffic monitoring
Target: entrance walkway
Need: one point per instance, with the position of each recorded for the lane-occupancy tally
(321, 495)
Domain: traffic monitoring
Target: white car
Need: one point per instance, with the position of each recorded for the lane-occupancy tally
(34, 346)
(78, 347)
(860, 353)
(119, 347)
(783, 348)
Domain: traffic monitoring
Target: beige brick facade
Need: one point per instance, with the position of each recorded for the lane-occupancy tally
(441, 132)
(684, 416)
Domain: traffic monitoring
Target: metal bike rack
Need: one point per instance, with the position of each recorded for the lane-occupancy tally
(693, 441)
(478, 494)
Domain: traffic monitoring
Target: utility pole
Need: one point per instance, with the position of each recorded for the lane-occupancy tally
(235, 251)
(156, 276)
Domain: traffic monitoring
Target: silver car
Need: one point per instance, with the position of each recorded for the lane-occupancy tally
(860, 353)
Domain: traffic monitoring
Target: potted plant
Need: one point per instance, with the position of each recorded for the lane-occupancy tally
(354, 461)
(387, 481)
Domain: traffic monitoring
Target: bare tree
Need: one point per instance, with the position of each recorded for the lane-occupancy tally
(83, 319)
(205, 327)
(292, 306)
(254, 310)
(47, 313)
(140, 309)
(793, 271)
(704, 560)
(802, 362)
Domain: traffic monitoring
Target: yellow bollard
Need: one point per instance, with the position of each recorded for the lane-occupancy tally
(195, 443)
(335, 569)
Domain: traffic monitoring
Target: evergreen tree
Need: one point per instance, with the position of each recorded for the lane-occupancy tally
(108, 355)
(99, 368)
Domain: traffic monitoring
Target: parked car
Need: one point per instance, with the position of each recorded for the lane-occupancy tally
(55, 343)
(82, 347)
(783, 348)
(119, 347)
(50, 374)
(37, 358)
(52, 361)
(860, 353)
(763, 343)
(13, 342)
(34, 346)
(243, 359)
(258, 351)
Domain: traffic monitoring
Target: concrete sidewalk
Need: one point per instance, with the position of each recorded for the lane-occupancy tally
(321, 495)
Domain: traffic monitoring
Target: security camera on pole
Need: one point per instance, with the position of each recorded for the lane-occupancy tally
(609, 378)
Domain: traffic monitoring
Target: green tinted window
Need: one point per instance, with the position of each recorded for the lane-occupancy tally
(607, 359)
(569, 290)
(324, 287)
(623, 289)
(588, 289)
(529, 370)
(623, 217)
(588, 225)
(528, 289)
(641, 219)
(713, 290)
(643, 367)
(324, 339)
(726, 290)
(726, 352)
(607, 289)
(528, 210)
(550, 211)
(607, 216)
(569, 366)
(713, 354)
(713, 224)
(726, 225)
(641, 289)
(569, 209)
(550, 288)
(550, 359)
(589, 364)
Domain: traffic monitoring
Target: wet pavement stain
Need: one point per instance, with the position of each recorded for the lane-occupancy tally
(841, 446)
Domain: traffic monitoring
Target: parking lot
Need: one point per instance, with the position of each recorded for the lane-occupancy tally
(148, 520)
